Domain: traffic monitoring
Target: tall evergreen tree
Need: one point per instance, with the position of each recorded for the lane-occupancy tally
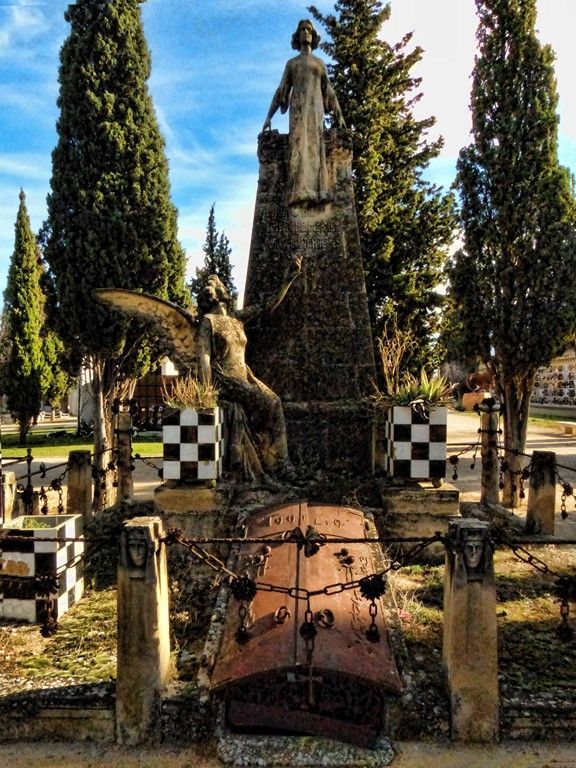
(110, 219)
(512, 283)
(23, 318)
(405, 223)
(216, 259)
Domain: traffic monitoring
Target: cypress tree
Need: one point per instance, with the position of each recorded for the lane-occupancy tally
(110, 219)
(216, 259)
(23, 319)
(405, 223)
(512, 283)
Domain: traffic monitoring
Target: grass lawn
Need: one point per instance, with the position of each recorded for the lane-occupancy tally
(47, 440)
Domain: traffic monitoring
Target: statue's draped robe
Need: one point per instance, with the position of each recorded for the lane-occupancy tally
(306, 90)
(260, 419)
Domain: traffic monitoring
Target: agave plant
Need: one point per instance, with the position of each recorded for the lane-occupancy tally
(189, 392)
(421, 394)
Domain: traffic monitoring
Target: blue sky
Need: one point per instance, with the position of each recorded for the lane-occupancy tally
(215, 66)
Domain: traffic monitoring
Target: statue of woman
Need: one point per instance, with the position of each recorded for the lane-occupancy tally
(257, 431)
(306, 90)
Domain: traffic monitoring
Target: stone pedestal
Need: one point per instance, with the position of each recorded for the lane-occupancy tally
(542, 495)
(470, 633)
(418, 509)
(316, 348)
(8, 496)
(143, 632)
(194, 509)
(79, 496)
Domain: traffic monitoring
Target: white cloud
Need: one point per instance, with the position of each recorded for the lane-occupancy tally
(19, 24)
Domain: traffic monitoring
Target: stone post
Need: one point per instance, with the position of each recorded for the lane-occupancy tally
(143, 632)
(8, 497)
(79, 497)
(470, 632)
(542, 493)
(489, 492)
(124, 436)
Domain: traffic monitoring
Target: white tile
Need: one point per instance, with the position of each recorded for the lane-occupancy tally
(207, 433)
(402, 414)
(420, 468)
(171, 470)
(207, 470)
(171, 434)
(46, 546)
(22, 610)
(188, 452)
(17, 564)
(420, 433)
(438, 415)
(189, 417)
(402, 451)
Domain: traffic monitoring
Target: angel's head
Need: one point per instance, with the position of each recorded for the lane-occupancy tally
(213, 292)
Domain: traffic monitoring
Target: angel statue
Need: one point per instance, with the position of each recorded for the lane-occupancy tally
(214, 339)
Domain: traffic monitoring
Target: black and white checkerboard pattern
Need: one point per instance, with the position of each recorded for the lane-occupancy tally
(193, 445)
(35, 557)
(415, 447)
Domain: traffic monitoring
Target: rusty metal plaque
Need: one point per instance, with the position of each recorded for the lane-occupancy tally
(275, 681)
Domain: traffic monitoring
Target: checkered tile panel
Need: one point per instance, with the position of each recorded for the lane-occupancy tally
(193, 445)
(415, 447)
(38, 558)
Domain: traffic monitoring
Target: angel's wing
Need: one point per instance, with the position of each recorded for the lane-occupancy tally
(177, 326)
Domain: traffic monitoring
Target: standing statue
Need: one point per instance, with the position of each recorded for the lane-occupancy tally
(306, 90)
(216, 340)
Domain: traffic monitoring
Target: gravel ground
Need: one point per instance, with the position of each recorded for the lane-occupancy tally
(408, 755)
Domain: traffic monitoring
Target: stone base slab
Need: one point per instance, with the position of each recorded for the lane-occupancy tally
(192, 508)
(419, 509)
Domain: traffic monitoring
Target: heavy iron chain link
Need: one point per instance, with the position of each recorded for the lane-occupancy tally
(518, 476)
(366, 584)
(567, 490)
(148, 463)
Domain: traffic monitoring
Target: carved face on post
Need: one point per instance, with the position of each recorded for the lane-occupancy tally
(473, 548)
(137, 549)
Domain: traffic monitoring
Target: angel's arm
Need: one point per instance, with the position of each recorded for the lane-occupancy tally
(291, 273)
(205, 351)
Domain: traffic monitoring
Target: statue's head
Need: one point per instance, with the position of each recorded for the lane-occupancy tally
(214, 291)
(296, 37)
